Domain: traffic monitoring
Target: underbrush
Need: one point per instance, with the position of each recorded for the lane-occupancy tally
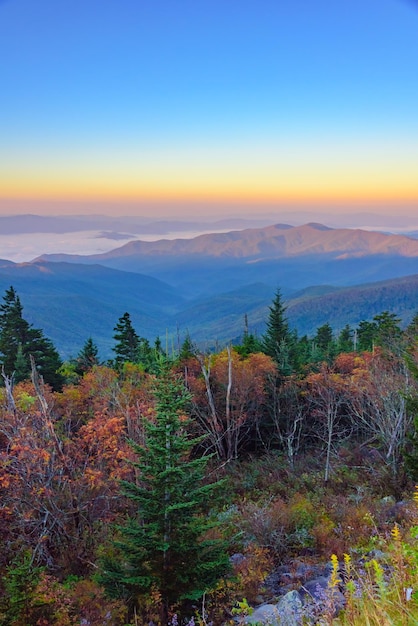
(372, 536)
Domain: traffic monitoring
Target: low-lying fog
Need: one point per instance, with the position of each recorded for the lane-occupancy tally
(25, 247)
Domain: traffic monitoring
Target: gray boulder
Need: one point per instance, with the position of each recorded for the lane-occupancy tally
(319, 599)
(287, 612)
(289, 608)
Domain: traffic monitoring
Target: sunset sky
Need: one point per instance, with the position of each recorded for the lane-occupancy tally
(128, 104)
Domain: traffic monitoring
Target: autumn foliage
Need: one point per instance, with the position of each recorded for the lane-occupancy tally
(307, 456)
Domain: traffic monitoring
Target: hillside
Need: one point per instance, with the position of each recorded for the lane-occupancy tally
(72, 302)
(307, 311)
(292, 257)
(277, 241)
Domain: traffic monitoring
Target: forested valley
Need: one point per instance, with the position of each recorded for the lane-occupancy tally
(190, 487)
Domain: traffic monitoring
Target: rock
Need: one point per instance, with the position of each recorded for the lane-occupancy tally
(236, 559)
(290, 609)
(315, 588)
(287, 612)
(287, 577)
(264, 614)
(378, 555)
(388, 501)
(319, 599)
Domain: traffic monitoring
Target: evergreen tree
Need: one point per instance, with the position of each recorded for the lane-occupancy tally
(303, 352)
(384, 331)
(324, 337)
(126, 348)
(250, 345)
(13, 333)
(411, 331)
(278, 342)
(165, 547)
(388, 329)
(47, 359)
(187, 349)
(18, 339)
(18, 604)
(146, 355)
(345, 340)
(323, 341)
(366, 335)
(88, 357)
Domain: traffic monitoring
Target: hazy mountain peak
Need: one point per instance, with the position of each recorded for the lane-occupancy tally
(270, 242)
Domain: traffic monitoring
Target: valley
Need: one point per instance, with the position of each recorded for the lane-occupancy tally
(205, 286)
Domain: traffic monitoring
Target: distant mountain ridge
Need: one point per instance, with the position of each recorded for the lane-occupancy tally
(72, 302)
(206, 285)
(294, 257)
(30, 223)
(277, 241)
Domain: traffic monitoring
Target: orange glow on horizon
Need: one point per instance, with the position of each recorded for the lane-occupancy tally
(246, 192)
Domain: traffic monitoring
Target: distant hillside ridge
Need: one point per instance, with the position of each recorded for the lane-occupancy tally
(294, 257)
(350, 305)
(72, 302)
(270, 242)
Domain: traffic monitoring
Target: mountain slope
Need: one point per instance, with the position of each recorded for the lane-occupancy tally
(72, 302)
(221, 318)
(292, 257)
(354, 304)
(278, 241)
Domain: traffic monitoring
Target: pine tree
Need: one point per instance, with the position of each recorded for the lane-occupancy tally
(18, 339)
(388, 329)
(126, 348)
(278, 341)
(346, 339)
(13, 332)
(146, 355)
(324, 343)
(187, 349)
(164, 547)
(366, 335)
(88, 357)
(18, 603)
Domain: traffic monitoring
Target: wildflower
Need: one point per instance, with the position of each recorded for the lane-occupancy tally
(415, 496)
(347, 564)
(334, 581)
(378, 572)
(396, 535)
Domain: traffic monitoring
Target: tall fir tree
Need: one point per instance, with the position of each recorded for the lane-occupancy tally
(324, 346)
(88, 357)
(126, 348)
(165, 547)
(346, 339)
(366, 335)
(13, 332)
(18, 340)
(278, 341)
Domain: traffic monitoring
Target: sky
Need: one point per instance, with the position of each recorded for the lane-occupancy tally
(188, 106)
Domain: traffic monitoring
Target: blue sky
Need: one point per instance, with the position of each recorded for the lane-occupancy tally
(261, 102)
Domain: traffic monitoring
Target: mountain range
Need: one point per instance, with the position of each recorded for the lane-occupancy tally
(206, 285)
